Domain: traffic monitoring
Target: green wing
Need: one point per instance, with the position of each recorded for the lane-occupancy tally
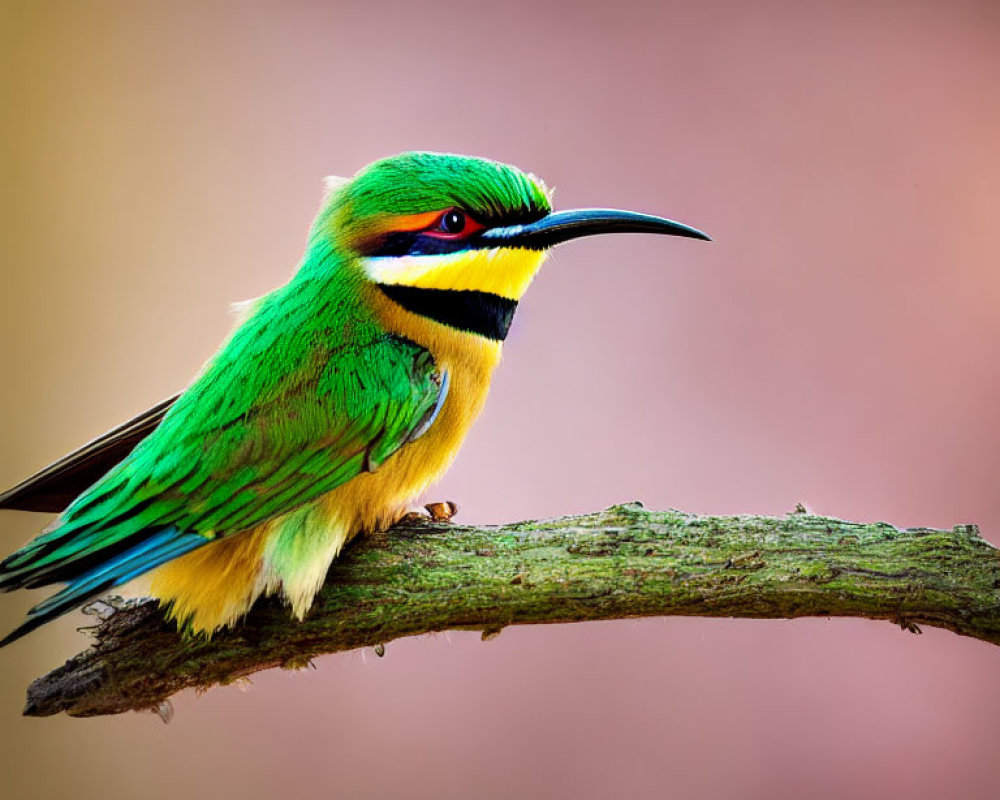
(240, 447)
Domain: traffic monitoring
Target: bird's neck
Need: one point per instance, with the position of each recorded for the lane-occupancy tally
(453, 347)
(462, 329)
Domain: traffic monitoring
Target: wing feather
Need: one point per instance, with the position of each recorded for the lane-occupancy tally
(54, 487)
(241, 467)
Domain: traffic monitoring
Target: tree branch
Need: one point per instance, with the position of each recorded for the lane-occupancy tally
(621, 562)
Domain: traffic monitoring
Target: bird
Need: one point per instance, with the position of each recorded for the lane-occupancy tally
(337, 399)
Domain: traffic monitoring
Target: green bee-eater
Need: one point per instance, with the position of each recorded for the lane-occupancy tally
(335, 402)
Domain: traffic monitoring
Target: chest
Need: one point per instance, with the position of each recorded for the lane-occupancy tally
(374, 500)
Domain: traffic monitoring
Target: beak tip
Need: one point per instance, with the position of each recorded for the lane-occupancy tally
(694, 233)
(689, 232)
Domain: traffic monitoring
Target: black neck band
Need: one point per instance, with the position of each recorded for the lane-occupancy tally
(483, 313)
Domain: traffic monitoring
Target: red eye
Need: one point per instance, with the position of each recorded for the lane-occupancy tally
(453, 224)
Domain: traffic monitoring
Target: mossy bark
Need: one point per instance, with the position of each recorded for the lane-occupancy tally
(621, 562)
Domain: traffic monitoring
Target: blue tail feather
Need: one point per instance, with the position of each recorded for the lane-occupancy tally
(150, 553)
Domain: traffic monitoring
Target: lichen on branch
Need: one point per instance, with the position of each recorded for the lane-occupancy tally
(625, 561)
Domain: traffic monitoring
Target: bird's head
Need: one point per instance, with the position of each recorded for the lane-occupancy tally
(459, 238)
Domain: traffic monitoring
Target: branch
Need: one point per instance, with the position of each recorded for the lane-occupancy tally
(622, 562)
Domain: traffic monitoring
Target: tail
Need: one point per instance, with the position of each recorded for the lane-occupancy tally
(121, 567)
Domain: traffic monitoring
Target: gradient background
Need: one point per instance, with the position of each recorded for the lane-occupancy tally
(838, 345)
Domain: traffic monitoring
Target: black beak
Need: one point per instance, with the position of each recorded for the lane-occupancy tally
(561, 226)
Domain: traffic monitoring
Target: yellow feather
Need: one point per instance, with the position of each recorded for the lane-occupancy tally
(213, 586)
(505, 271)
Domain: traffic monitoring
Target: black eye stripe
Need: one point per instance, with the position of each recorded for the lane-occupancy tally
(414, 243)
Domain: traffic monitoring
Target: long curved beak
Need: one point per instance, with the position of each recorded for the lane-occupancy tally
(561, 226)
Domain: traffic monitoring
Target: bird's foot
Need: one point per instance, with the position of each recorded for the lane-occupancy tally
(442, 512)
(432, 512)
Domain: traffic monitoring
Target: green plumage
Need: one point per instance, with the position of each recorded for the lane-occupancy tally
(285, 412)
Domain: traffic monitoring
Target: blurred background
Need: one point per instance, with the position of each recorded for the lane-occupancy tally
(837, 345)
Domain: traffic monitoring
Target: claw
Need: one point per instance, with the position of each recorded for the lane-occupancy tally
(442, 512)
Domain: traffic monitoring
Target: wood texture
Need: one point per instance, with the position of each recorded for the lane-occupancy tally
(625, 561)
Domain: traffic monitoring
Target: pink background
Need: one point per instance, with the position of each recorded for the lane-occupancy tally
(838, 345)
